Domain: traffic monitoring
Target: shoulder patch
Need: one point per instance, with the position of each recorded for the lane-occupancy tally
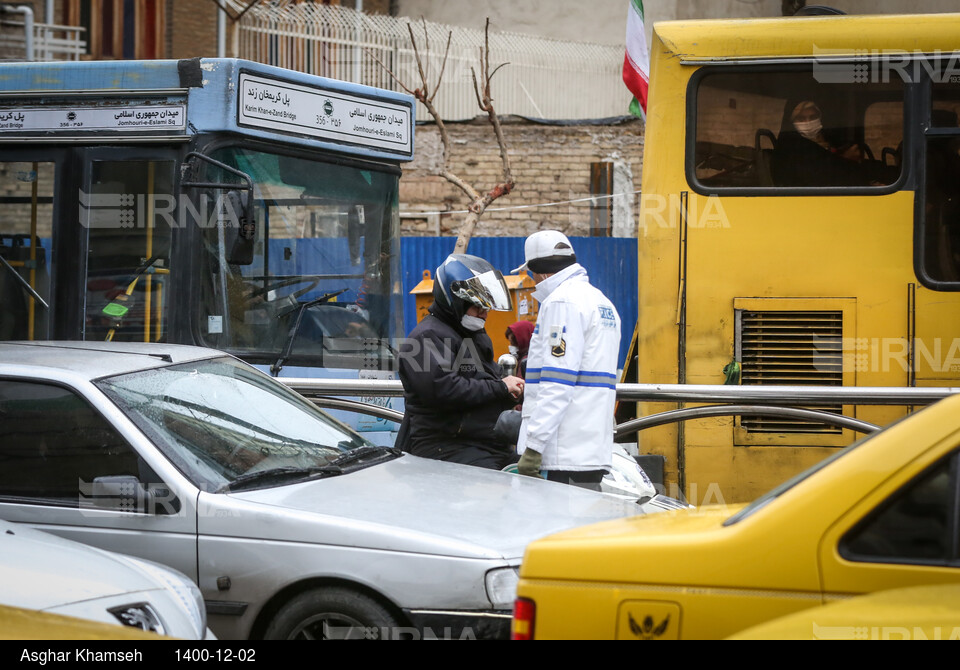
(608, 317)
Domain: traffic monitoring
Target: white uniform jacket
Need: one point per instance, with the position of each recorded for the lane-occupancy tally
(571, 378)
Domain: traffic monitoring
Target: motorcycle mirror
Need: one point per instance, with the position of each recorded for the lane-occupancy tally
(508, 365)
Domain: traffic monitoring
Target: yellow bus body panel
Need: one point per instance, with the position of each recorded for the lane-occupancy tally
(706, 256)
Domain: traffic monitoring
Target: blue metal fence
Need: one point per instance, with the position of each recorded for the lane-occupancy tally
(610, 262)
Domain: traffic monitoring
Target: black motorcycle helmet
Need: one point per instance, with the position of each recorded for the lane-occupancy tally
(463, 280)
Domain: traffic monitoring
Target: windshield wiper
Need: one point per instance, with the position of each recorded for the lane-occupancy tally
(377, 454)
(24, 283)
(292, 334)
(276, 476)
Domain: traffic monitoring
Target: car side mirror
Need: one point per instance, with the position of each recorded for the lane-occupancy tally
(126, 493)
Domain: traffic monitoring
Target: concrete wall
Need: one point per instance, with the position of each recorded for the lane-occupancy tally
(604, 21)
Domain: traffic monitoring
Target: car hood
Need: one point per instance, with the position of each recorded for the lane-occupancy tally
(651, 549)
(415, 504)
(43, 572)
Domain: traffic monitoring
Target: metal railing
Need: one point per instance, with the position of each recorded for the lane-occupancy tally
(41, 41)
(545, 78)
(780, 401)
(55, 42)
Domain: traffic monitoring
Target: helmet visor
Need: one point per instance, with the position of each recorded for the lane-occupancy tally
(486, 290)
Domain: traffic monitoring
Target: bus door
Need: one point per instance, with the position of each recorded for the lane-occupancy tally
(127, 211)
(934, 354)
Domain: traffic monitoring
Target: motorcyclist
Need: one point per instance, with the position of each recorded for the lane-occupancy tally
(453, 390)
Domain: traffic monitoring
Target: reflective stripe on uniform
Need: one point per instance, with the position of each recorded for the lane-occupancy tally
(571, 377)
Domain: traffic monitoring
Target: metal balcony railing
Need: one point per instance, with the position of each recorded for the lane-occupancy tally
(544, 78)
(25, 40)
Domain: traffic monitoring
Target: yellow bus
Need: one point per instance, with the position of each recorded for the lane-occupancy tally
(800, 225)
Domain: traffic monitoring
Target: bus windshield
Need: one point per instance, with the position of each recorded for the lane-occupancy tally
(319, 289)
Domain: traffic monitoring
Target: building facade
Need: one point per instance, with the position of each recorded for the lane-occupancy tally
(574, 171)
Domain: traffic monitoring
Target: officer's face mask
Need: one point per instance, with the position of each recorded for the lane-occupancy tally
(809, 129)
(514, 350)
(472, 323)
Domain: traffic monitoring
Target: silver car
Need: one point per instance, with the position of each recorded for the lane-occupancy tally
(42, 572)
(292, 525)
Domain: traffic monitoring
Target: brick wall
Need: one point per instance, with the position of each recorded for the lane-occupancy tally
(17, 180)
(8, 52)
(194, 29)
(551, 164)
(373, 6)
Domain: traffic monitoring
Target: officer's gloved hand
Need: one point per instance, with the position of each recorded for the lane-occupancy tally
(530, 463)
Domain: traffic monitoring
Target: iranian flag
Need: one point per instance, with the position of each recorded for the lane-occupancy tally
(636, 63)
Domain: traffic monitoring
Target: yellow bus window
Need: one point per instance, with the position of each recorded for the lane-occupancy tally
(769, 128)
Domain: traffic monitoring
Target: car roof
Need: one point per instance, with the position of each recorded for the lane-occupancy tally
(92, 360)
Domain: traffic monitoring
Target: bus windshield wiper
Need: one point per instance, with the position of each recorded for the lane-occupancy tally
(292, 334)
(24, 283)
(277, 476)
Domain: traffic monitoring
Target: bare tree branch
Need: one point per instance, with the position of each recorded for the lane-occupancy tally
(443, 64)
(389, 71)
(425, 93)
(416, 54)
(495, 70)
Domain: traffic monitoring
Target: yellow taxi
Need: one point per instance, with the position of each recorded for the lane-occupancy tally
(17, 623)
(883, 513)
(914, 613)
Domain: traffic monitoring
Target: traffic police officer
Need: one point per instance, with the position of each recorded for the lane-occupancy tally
(568, 408)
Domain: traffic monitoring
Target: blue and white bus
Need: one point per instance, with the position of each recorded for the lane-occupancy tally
(217, 202)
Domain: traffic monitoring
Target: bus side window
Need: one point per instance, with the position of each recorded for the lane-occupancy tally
(784, 127)
(26, 198)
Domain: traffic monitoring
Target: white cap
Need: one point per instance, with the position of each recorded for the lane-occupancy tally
(545, 244)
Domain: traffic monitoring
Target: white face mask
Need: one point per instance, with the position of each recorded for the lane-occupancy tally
(473, 323)
(514, 350)
(809, 129)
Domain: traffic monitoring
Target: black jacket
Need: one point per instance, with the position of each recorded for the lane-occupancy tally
(453, 393)
(798, 161)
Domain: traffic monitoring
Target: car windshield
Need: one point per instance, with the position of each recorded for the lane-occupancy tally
(773, 494)
(222, 422)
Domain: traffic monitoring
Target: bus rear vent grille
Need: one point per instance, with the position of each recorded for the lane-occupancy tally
(791, 348)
